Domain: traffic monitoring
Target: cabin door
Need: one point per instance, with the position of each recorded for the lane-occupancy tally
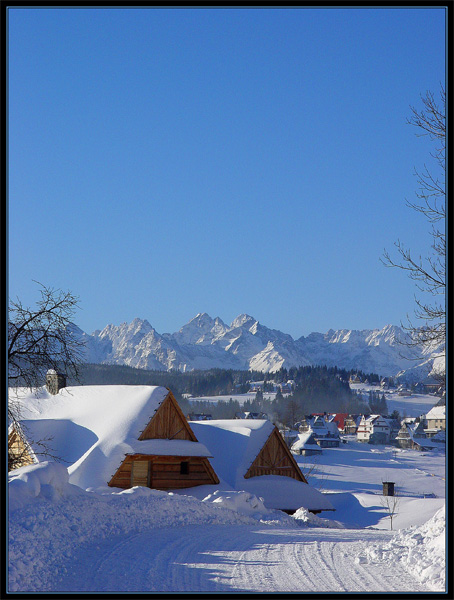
(141, 473)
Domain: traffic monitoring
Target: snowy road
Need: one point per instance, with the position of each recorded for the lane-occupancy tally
(222, 558)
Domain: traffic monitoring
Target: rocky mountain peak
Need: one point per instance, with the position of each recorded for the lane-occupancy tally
(206, 343)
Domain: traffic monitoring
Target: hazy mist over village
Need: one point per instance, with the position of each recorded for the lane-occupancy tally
(227, 299)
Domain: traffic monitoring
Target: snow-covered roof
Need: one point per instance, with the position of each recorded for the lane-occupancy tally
(234, 445)
(319, 426)
(440, 436)
(306, 441)
(92, 428)
(436, 412)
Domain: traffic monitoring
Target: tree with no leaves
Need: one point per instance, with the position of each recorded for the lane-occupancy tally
(43, 338)
(428, 273)
(390, 504)
(40, 339)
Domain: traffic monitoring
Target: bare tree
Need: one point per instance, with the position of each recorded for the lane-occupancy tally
(390, 504)
(39, 339)
(292, 412)
(429, 272)
(43, 338)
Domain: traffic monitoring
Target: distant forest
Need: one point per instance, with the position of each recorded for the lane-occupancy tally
(315, 389)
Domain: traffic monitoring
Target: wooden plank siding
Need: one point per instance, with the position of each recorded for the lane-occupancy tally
(163, 472)
(18, 450)
(275, 459)
(168, 423)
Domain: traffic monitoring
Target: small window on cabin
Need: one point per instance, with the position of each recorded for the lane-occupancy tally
(184, 468)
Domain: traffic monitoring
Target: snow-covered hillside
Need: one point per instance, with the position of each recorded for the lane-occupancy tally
(205, 343)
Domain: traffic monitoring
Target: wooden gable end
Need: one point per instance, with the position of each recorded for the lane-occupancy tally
(165, 472)
(18, 451)
(275, 459)
(168, 423)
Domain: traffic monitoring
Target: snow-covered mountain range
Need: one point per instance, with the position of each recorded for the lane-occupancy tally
(206, 343)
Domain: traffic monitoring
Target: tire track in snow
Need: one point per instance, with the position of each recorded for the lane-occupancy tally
(236, 558)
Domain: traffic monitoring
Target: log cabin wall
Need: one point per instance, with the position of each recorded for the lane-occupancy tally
(275, 459)
(163, 472)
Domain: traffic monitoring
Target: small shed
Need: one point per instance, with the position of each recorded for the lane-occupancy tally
(388, 488)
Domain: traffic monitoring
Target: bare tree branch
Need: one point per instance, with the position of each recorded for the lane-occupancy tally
(39, 339)
(428, 273)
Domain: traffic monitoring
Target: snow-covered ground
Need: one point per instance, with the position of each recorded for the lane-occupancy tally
(66, 539)
(408, 406)
(413, 405)
(240, 398)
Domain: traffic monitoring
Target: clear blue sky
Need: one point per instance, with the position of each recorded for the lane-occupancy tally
(165, 162)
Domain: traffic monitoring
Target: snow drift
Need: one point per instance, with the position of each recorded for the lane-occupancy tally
(420, 549)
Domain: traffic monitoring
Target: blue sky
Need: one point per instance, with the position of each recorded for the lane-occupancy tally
(165, 162)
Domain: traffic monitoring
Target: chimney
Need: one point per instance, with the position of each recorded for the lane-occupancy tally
(55, 381)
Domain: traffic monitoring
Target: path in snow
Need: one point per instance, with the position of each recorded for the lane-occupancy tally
(222, 558)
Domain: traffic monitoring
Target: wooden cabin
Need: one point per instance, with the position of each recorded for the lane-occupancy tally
(251, 455)
(117, 435)
(166, 463)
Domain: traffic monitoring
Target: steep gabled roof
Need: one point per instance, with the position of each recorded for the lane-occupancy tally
(234, 444)
(238, 447)
(94, 427)
(306, 441)
(437, 412)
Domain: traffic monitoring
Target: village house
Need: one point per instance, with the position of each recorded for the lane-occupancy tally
(412, 436)
(436, 420)
(373, 429)
(326, 433)
(288, 434)
(256, 386)
(167, 454)
(354, 378)
(20, 451)
(303, 425)
(199, 417)
(250, 415)
(351, 423)
(306, 445)
(339, 419)
(403, 392)
(286, 388)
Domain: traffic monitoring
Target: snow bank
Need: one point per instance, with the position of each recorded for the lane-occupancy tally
(420, 549)
(50, 519)
(303, 516)
(45, 480)
(248, 504)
